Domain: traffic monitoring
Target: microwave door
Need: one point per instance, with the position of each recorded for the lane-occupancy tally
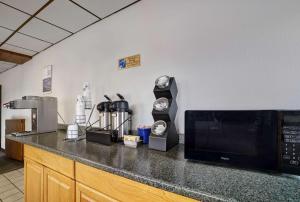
(236, 137)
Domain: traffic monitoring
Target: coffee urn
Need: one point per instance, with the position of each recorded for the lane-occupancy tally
(121, 117)
(104, 109)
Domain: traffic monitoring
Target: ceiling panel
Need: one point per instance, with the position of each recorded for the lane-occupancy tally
(103, 8)
(17, 49)
(28, 42)
(67, 15)
(6, 65)
(2, 69)
(29, 6)
(4, 33)
(43, 30)
(11, 18)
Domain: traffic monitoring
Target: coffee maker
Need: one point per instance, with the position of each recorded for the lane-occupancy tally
(114, 122)
(43, 113)
(103, 134)
(121, 117)
(104, 109)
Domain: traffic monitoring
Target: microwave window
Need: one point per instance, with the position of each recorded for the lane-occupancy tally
(293, 119)
(228, 136)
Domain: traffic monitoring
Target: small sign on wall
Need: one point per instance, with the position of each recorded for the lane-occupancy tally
(47, 79)
(131, 61)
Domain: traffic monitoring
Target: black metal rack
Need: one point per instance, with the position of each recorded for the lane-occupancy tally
(170, 137)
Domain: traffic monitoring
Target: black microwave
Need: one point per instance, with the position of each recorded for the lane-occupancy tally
(248, 138)
(255, 139)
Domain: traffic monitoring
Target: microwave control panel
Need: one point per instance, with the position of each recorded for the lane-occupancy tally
(291, 154)
(290, 142)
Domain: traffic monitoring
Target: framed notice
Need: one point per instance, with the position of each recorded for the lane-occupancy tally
(131, 61)
(47, 79)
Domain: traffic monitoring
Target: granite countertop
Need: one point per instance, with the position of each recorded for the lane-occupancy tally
(171, 172)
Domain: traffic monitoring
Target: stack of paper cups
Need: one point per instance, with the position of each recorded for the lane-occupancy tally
(80, 110)
(72, 131)
(87, 95)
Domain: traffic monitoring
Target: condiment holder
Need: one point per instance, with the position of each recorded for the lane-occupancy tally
(167, 89)
(164, 109)
(163, 132)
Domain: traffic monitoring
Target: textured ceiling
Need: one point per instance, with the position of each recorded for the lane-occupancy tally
(31, 26)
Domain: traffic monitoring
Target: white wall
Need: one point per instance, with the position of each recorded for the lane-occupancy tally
(233, 54)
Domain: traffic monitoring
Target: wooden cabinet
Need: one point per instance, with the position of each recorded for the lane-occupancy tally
(57, 187)
(48, 177)
(14, 149)
(87, 194)
(122, 189)
(53, 178)
(34, 178)
(55, 162)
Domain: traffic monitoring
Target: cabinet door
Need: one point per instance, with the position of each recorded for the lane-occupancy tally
(57, 187)
(86, 194)
(14, 149)
(33, 181)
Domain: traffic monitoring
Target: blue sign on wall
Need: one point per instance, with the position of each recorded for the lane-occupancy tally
(131, 61)
(122, 63)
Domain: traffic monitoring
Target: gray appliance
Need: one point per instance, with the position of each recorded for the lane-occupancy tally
(43, 113)
(104, 109)
(121, 117)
